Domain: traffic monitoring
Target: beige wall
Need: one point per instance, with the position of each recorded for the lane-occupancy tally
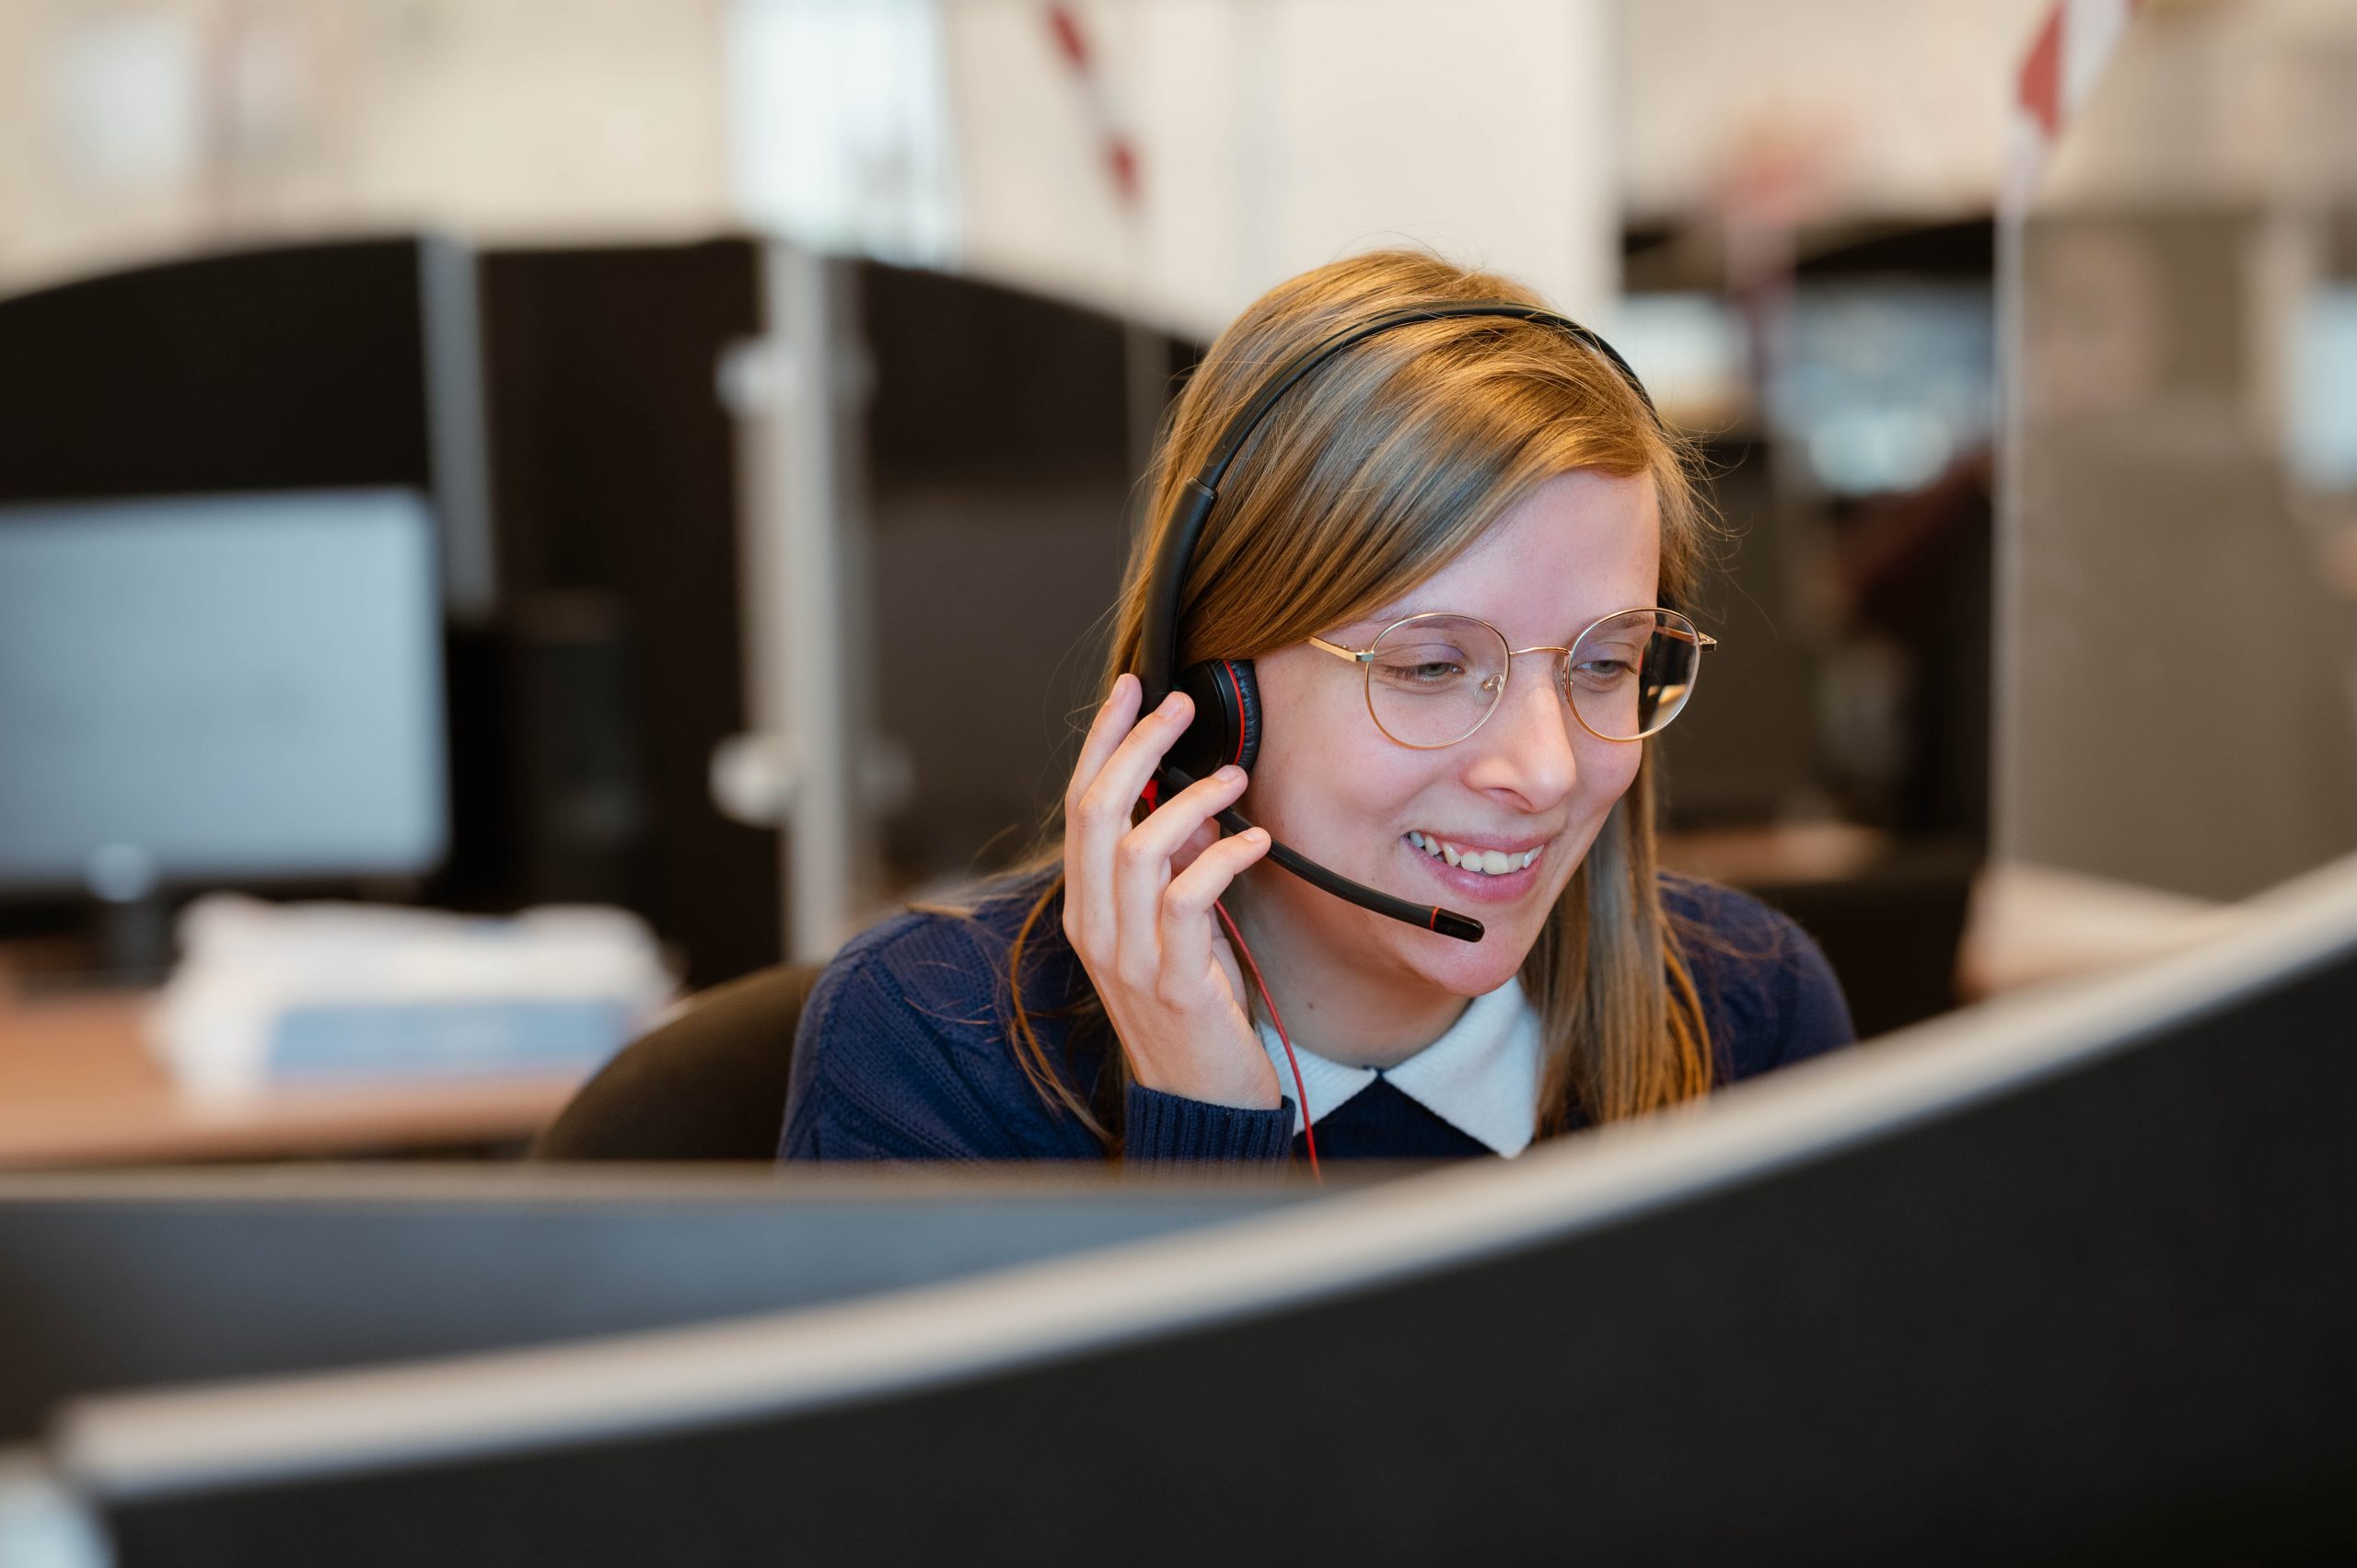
(1270, 136)
(1886, 108)
(132, 128)
(1275, 132)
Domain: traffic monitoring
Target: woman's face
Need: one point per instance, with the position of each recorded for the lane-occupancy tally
(1335, 787)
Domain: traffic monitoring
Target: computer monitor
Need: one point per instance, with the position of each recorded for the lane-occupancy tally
(206, 689)
(2065, 1278)
(121, 1280)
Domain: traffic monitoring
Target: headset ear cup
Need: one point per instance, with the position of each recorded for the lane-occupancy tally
(1226, 725)
(1246, 687)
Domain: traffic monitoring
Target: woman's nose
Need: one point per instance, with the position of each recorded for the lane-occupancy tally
(1527, 747)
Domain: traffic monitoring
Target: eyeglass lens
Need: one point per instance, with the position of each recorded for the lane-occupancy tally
(1432, 680)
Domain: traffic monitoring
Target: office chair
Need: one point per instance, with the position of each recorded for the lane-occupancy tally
(710, 1085)
(1891, 931)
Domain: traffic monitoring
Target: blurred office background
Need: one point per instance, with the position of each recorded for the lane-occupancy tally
(701, 438)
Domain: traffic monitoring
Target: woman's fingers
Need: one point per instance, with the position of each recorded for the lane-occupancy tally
(1092, 829)
(1095, 819)
(1116, 788)
(1142, 868)
(1201, 839)
(1167, 831)
(1106, 800)
(1115, 717)
(1187, 903)
(1173, 1007)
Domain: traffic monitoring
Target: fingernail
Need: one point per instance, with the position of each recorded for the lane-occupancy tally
(1171, 704)
(1229, 774)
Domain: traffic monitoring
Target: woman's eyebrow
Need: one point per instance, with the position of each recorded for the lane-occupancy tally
(1372, 623)
(1418, 603)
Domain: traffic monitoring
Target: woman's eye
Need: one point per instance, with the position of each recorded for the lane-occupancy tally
(1602, 671)
(1425, 673)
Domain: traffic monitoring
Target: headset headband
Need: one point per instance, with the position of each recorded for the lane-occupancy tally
(1159, 635)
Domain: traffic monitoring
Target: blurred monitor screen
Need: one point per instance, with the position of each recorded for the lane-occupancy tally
(1884, 382)
(2322, 406)
(219, 687)
(1689, 350)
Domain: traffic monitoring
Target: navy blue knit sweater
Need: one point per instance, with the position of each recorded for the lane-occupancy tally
(903, 1051)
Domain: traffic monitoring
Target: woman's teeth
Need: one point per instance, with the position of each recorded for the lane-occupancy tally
(1489, 862)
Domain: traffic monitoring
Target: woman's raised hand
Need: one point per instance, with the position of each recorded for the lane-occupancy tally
(1137, 907)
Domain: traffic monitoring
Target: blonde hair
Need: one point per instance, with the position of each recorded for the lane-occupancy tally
(1368, 477)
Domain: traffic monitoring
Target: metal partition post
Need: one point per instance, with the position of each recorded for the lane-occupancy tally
(799, 552)
(458, 427)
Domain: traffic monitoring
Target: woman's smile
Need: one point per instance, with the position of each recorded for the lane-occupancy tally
(1487, 870)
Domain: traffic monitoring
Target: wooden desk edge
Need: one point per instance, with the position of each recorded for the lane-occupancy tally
(278, 1123)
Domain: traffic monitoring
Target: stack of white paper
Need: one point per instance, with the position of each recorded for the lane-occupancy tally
(311, 993)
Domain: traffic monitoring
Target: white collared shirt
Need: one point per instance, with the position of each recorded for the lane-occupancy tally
(1481, 1077)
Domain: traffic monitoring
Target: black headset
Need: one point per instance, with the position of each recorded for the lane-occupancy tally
(1226, 725)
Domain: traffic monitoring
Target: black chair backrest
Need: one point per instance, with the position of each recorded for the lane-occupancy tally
(710, 1085)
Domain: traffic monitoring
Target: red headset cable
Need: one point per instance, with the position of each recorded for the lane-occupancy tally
(1308, 1132)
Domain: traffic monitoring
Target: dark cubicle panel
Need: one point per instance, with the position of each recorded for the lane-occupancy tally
(990, 457)
(618, 665)
(2068, 1281)
(559, 407)
(1745, 750)
(1891, 929)
(562, 406)
(335, 369)
(298, 368)
(329, 364)
(1003, 455)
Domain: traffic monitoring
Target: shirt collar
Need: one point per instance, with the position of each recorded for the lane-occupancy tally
(1481, 1077)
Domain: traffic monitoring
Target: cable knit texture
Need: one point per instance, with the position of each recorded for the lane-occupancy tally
(904, 1052)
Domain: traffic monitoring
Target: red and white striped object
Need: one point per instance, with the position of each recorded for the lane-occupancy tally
(1119, 154)
(2066, 58)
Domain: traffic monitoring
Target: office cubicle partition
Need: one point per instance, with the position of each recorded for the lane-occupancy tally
(333, 365)
(237, 491)
(575, 418)
(2066, 1277)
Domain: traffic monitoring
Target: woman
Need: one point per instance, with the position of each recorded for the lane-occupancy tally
(1466, 524)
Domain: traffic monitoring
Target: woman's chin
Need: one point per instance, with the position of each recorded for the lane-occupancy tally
(1385, 945)
(1472, 969)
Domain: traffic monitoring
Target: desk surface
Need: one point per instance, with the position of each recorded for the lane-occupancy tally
(78, 1087)
(2029, 924)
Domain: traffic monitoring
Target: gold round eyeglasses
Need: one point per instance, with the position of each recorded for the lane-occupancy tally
(1432, 680)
